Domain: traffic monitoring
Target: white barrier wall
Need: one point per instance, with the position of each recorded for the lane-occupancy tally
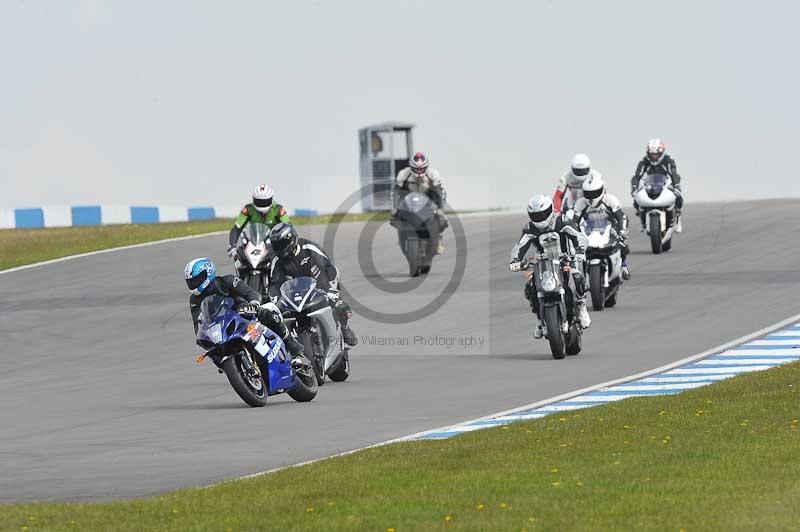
(81, 215)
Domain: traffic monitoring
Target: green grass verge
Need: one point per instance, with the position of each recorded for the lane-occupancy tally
(721, 457)
(26, 246)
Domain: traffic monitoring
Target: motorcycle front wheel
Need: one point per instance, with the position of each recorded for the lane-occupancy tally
(655, 233)
(596, 288)
(306, 388)
(312, 351)
(552, 321)
(251, 388)
(413, 256)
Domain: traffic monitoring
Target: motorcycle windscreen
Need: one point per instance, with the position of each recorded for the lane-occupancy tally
(415, 202)
(654, 184)
(415, 206)
(295, 291)
(212, 310)
(257, 232)
(213, 307)
(596, 221)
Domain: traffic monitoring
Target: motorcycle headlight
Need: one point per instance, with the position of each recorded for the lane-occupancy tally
(549, 282)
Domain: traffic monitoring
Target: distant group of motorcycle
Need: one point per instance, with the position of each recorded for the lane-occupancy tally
(580, 243)
(279, 324)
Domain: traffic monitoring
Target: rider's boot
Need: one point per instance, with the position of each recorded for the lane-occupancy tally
(348, 335)
(626, 273)
(440, 246)
(538, 332)
(583, 315)
(678, 224)
(295, 348)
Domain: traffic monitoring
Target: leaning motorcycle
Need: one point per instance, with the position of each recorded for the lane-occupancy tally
(309, 316)
(656, 202)
(252, 356)
(417, 229)
(603, 260)
(253, 257)
(556, 297)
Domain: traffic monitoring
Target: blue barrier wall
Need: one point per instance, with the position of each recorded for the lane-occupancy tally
(144, 215)
(87, 215)
(27, 218)
(201, 213)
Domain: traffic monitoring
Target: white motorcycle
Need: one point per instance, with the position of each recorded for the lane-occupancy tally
(656, 202)
(603, 260)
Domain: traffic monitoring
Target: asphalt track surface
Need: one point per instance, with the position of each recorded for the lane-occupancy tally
(101, 397)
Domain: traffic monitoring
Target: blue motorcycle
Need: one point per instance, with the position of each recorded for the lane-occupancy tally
(252, 357)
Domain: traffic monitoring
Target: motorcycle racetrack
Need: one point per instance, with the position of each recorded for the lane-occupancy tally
(102, 398)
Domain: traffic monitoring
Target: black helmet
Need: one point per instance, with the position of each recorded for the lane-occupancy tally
(283, 239)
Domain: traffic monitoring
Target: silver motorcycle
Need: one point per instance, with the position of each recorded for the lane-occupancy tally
(309, 316)
(555, 290)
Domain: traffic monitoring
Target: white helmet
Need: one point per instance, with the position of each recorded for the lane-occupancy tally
(594, 190)
(540, 211)
(262, 198)
(655, 151)
(581, 166)
(419, 163)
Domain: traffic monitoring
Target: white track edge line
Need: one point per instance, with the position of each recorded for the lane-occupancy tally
(411, 437)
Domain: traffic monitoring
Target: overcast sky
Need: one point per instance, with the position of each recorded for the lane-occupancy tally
(194, 102)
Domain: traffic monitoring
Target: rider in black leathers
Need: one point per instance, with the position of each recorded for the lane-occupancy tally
(543, 220)
(656, 161)
(298, 257)
(233, 287)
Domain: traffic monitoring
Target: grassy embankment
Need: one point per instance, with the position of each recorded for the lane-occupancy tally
(721, 457)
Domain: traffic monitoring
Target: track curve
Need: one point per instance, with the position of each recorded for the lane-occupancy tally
(102, 399)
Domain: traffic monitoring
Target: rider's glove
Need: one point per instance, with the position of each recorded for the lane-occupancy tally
(333, 294)
(515, 266)
(232, 251)
(269, 312)
(269, 306)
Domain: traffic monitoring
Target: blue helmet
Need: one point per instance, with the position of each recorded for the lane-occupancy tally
(199, 273)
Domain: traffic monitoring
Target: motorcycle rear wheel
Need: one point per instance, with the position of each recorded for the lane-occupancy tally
(575, 341)
(612, 300)
(554, 334)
